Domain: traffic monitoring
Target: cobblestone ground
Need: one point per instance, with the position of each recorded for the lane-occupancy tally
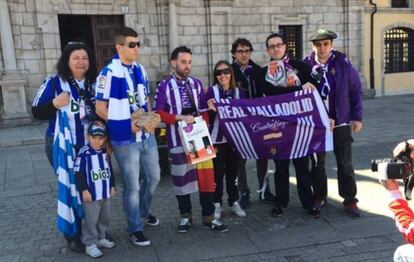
(28, 211)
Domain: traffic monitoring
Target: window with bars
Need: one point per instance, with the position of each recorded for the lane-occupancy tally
(399, 50)
(399, 3)
(293, 36)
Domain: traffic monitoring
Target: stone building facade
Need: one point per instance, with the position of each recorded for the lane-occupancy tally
(39, 28)
(390, 47)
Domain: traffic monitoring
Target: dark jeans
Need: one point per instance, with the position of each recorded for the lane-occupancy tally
(225, 165)
(342, 138)
(206, 202)
(49, 155)
(303, 182)
(318, 174)
(261, 166)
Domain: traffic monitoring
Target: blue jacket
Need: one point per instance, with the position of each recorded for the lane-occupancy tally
(348, 99)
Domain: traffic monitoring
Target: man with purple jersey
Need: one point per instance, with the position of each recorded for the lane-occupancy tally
(180, 97)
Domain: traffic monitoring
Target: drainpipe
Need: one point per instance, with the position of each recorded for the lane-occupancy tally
(172, 26)
(371, 58)
(207, 7)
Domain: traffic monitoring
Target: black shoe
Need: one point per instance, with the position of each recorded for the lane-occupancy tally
(277, 211)
(244, 200)
(152, 220)
(314, 212)
(268, 198)
(138, 238)
(216, 225)
(77, 246)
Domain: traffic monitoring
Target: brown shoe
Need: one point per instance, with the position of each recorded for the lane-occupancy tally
(352, 209)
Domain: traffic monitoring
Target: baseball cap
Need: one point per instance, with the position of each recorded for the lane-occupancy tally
(97, 128)
(322, 34)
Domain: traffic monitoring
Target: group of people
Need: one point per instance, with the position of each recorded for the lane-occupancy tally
(122, 87)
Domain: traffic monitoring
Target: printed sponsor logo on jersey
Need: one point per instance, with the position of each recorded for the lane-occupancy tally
(74, 106)
(133, 98)
(101, 82)
(100, 174)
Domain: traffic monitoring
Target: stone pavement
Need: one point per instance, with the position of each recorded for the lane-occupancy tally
(28, 209)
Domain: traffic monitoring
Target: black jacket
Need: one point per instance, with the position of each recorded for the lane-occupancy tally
(243, 83)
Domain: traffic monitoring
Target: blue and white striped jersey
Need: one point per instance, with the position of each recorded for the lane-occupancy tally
(96, 171)
(50, 88)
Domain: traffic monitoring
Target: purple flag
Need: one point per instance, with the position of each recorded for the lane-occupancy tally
(286, 126)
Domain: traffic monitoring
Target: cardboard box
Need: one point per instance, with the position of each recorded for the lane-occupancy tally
(196, 141)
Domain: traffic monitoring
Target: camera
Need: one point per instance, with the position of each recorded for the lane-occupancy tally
(399, 167)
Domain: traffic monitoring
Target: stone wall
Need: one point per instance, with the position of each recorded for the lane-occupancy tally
(36, 32)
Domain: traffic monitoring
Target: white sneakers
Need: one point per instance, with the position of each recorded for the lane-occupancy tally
(235, 208)
(217, 210)
(106, 243)
(93, 249)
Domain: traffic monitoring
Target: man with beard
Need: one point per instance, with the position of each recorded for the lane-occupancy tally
(180, 97)
(247, 75)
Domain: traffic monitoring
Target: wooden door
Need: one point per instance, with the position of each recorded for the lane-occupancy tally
(104, 29)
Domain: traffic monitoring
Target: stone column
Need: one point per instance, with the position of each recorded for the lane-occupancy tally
(172, 26)
(12, 85)
(7, 45)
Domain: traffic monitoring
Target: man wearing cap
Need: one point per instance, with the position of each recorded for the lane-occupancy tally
(340, 88)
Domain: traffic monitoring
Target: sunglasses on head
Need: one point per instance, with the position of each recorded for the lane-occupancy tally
(134, 44)
(226, 71)
(76, 43)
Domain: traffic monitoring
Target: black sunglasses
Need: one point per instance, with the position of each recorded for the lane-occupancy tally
(226, 71)
(134, 44)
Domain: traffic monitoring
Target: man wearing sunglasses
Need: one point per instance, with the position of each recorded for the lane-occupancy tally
(247, 74)
(123, 88)
(340, 88)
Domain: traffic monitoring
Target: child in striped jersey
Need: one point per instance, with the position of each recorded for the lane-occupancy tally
(96, 184)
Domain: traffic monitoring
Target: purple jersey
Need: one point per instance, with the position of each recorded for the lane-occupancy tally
(169, 99)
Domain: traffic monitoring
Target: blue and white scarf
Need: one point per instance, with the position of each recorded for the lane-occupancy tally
(119, 106)
(69, 203)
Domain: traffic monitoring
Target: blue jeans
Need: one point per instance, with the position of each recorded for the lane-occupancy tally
(141, 173)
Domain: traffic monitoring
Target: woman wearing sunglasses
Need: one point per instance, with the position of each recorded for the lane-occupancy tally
(72, 88)
(225, 164)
